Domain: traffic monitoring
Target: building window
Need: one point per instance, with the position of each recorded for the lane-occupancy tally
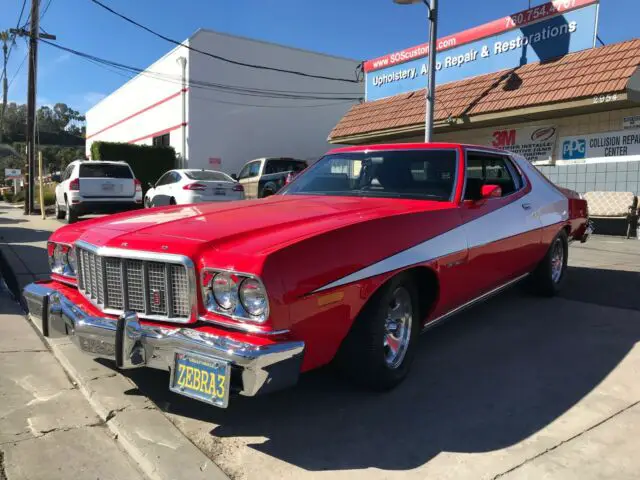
(161, 140)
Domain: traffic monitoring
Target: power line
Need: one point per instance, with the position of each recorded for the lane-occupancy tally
(24, 4)
(218, 57)
(229, 89)
(18, 70)
(44, 10)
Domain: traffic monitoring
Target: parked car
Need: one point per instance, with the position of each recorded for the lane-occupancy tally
(264, 177)
(88, 186)
(350, 262)
(182, 187)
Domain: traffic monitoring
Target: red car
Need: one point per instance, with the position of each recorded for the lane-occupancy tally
(348, 263)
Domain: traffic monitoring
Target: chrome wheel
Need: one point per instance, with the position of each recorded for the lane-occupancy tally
(557, 260)
(397, 328)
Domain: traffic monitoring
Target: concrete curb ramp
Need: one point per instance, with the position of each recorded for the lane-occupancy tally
(159, 448)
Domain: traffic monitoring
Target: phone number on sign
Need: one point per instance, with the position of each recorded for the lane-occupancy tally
(539, 12)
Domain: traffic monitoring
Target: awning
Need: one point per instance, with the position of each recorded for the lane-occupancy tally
(590, 79)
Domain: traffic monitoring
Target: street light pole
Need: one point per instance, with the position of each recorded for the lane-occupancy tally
(431, 87)
(430, 95)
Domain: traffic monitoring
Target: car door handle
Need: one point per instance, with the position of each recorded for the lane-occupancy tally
(526, 206)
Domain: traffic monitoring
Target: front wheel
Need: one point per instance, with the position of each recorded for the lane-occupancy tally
(380, 348)
(547, 279)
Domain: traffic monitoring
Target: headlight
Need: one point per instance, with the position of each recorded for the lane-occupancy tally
(225, 290)
(62, 259)
(236, 295)
(253, 297)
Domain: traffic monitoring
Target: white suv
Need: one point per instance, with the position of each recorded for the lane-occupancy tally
(89, 186)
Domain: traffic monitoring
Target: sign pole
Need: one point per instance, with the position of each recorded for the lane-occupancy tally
(40, 183)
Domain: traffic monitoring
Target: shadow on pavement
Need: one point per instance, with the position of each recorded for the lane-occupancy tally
(23, 235)
(612, 288)
(488, 379)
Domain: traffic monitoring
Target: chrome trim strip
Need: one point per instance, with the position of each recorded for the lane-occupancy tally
(146, 257)
(243, 327)
(437, 321)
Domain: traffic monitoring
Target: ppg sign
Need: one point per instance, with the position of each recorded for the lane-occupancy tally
(574, 149)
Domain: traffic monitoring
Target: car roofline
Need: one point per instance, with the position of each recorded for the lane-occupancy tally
(412, 146)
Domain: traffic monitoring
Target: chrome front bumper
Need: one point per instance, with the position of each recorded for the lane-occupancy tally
(258, 368)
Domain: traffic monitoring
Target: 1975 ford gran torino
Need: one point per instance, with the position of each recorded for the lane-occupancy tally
(348, 263)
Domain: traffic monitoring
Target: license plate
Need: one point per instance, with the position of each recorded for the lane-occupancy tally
(108, 187)
(202, 378)
(219, 192)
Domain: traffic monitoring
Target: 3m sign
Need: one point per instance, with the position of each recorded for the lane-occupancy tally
(536, 144)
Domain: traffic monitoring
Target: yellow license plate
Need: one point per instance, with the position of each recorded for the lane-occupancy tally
(200, 377)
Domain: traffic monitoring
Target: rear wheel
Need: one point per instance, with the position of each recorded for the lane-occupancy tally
(70, 215)
(59, 213)
(548, 278)
(147, 202)
(172, 201)
(380, 348)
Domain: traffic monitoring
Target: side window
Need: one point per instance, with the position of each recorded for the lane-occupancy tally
(488, 169)
(175, 177)
(68, 172)
(254, 169)
(244, 173)
(164, 179)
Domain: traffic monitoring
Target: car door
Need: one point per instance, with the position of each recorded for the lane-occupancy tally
(161, 192)
(503, 233)
(249, 177)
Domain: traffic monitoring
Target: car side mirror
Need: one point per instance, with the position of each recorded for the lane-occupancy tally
(55, 178)
(491, 191)
(234, 176)
(150, 185)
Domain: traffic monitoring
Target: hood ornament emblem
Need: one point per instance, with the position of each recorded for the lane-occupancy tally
(165, 247)
(124, 244)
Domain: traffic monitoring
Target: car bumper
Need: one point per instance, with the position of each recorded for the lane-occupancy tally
(255, 368)
(105, 206)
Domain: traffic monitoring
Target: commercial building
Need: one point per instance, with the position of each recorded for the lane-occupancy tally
(532, 83)
(218, 114)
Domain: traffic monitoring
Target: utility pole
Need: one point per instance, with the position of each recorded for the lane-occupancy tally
(33, 35)
(4, 37)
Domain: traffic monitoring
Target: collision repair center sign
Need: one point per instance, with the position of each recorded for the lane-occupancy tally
(581, 148)
(540, 33)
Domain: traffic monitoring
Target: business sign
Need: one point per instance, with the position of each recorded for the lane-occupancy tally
(540, 33)
(609, 144)
(631, 122)
(215, 162)
(536, 144)
(12, 173)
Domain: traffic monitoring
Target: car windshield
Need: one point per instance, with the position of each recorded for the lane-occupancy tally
(205, 175)
(104, 170)
(416, 174)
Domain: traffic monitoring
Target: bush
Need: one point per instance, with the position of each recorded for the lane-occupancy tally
(147, 162)
(7, 197)
(19, 197)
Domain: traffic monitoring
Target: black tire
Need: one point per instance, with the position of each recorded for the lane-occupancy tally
(60, 214)
(70, 216)
(147, 203)
(172, 201)
(363, 355)
(544, 279)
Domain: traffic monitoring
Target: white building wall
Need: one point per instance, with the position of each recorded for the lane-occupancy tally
(278, 127)
(143, 107)
(220, 125)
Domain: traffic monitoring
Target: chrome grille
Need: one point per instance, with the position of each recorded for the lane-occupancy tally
(151, 288)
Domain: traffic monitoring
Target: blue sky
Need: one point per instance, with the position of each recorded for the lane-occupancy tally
(360, 29)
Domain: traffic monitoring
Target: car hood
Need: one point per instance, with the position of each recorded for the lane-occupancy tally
(248, 227)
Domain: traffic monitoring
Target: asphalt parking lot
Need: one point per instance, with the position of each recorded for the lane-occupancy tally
(517, 387)
(490, 390)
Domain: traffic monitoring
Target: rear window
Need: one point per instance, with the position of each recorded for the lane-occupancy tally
(208, 175)
(284, 165)
(104, 170)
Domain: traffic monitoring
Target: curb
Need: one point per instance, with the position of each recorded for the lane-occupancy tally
(161, 451)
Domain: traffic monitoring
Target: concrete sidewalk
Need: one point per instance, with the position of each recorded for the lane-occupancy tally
(48, 430)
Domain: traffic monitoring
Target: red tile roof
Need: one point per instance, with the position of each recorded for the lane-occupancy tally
(574, 76)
